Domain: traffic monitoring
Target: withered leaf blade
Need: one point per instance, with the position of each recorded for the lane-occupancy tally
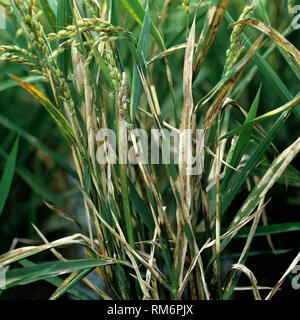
(251, 276)
(227, 87)
(273, 34)
(188, 106)
(213, 20)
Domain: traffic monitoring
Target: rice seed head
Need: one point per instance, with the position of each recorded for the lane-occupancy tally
(91, 24)
(32, 26)
(186, 6)
(112, 66)
(56, 53)
(13, 53)
(236, 48)
(91, 7)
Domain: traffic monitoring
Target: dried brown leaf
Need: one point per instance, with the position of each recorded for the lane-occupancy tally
(250, 275)
(213, 20)
(273, 34)
(226, 88)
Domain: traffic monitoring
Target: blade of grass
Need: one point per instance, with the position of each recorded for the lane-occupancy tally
(54, 112)
(49, 15)
(138, 13)
(257, 253)
(270, 229)
(271, 176)
(8, 174)
(35, 183)
(267, 72)
(64, 18)
(213, 20)
(57, 282)
(22, 253)
(280, 282)
(26, 275)
(36, 143)
(250, 275)
(140, 207)
(235, 186)
(70, 282)
(11, 83)
(258, 194)
(241, 144)
(291, 104)
(291, 177)
(272, 33)
(136, 81)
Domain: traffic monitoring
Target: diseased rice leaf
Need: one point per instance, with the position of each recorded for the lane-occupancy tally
(54, 112)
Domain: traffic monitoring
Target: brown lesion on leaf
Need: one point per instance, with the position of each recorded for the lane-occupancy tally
(226, 88)
(214, 18)
(273, 34)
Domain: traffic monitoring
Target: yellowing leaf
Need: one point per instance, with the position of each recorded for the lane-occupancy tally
(46, 103)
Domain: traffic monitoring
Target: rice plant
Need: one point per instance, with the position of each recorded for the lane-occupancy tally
(125, 81)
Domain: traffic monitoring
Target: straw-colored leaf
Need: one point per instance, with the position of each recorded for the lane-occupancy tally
(186, 118)
(273, 34)
(271, 176)
(226, 87)
(280, 282)
(213, 20)
(22, 253)
(250, 275)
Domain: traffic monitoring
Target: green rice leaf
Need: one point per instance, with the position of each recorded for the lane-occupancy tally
(264, 117)
(242, 143)
(35, 142)
(57, 281)
(26, 275)
(270, 229)
(8, 174)
(141, 208)
(64, 18)
(49, 14)
(136, 81)
(46, 103)
(135, 9)
(7, 84)
(70, 282)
